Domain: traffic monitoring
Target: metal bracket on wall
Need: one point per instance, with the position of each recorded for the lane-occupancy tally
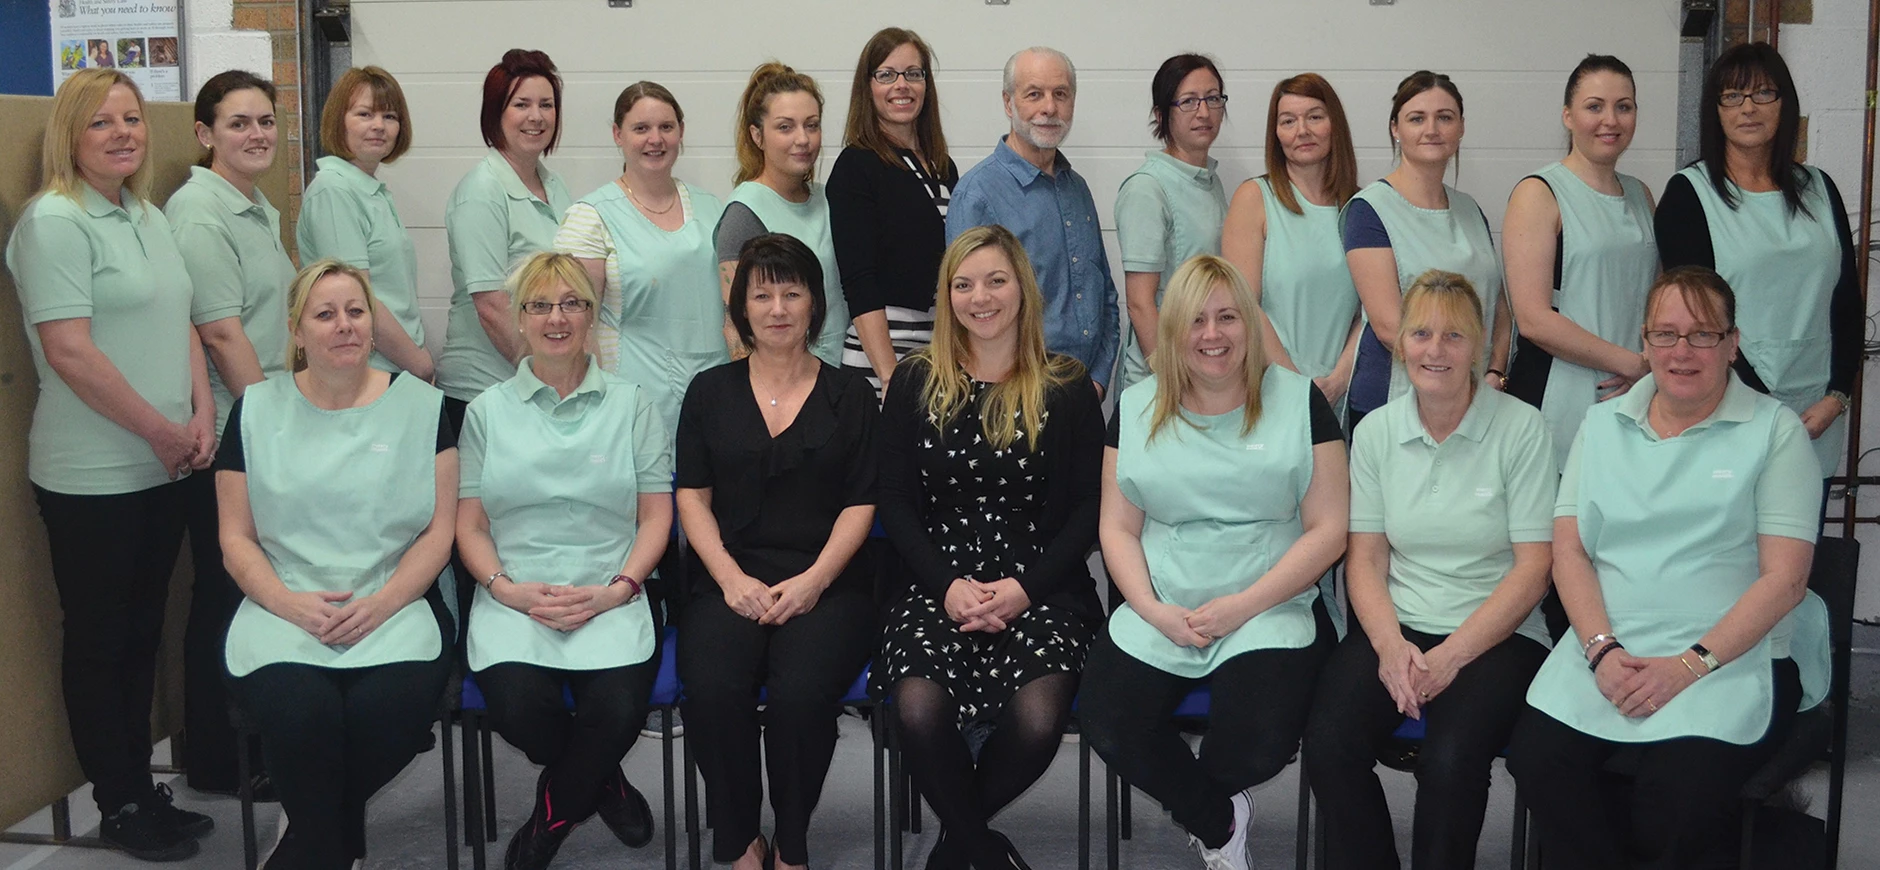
(1698, 14)
(335, 23)
(998, 2)
(1383, 2)
(620, 4)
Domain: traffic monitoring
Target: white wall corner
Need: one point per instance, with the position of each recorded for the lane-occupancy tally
(215, 45)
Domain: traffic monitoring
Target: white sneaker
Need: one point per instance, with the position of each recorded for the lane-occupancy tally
(1234, 854)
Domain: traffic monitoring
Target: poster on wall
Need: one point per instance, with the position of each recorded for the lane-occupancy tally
(136, 36)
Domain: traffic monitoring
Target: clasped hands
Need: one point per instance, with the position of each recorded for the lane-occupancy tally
(562, 608)
(335, 618)
(1641, 686)
(1201, 626)
(752, 599)
(987, 607)
(1414, 677)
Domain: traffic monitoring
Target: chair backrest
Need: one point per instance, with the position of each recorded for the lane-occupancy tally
(1834, 576)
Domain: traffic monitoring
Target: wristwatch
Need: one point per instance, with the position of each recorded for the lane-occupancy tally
(1841, 397)
(1705, 656)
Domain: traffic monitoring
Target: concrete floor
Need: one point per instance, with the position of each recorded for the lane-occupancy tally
(407, 821)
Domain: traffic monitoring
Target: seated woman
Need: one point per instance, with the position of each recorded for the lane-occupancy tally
(1224, 500)
(337, 489)
(1685, 526)
(1452, 492)
(990, 455)
(775, 461)
(563, 511)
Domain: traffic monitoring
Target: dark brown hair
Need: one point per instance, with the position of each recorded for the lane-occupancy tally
(216, 89)
(632, 94)
(776, 258)
(499, 87)
(1704, 292)
(387, 96)
(864, 126)
(1167, 83)
(1737, 68)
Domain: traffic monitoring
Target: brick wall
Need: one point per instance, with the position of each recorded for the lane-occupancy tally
(280, 18)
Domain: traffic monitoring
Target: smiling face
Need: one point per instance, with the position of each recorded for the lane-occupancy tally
(1428, 128)
(244, 136)
(1042, 102)
(556, 334)
(1602, 117)
(649, 136)
(1684, 373)
(1304, 127)
(335, 326)
(528, 121)
(985, 295)
(791, 135)
(1196, 131)
(113, 144)
(1749, 125)
(899, 104)
(1217, 339)
(1439, 356)
(779, 313)
(371, 132)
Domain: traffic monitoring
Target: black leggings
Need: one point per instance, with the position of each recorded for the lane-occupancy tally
(1467, 725)
(1257, 711)
(1023, 742)
(210, 750)
(579, 750)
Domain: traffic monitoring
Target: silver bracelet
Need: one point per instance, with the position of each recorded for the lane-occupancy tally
(1596, 640)
(489, 582)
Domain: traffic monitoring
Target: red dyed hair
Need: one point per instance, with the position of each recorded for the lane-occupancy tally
(500, 85)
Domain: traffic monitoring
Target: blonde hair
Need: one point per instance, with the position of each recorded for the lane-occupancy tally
(767, 81)
(544, 269)
(1022, 394)
(387, 96)
(302, 287)
(1449, 297)
(72, 107)
(1188, 290)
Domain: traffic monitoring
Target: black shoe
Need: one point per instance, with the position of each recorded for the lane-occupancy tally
(948, 853)
(625, 811)
(162, 805)
(535, 844)
(139, 832)
(995, 852)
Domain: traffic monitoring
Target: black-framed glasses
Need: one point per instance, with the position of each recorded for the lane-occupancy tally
(1216, 102)
(885, 76)
(567, 306)
(1667, 338)
(1760, 96)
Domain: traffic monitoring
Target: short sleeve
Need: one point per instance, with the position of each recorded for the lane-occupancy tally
(333, 224)
(1325, 425)
(215, 270)
(1528, 479)
(691, 453)
(51, 259)
(476, 226)
(1788, 492)
(1363, 227)
(738, 225)
(1567, 499)
(583, 234)
(470, 452)
(1142, 225)
(652, 446)
(229, 456)
(1368, 446)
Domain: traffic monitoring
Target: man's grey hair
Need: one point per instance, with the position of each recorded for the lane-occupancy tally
(1011, 66)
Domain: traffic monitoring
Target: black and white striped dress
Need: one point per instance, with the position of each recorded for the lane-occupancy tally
(909, 329)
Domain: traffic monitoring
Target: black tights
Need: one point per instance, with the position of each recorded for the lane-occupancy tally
(1021, 747)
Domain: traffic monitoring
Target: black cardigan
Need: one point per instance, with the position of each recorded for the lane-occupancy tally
(888, 234)
(1683, 232)
(1073, 446)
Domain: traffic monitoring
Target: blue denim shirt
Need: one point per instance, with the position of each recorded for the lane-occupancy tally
(1055, 218)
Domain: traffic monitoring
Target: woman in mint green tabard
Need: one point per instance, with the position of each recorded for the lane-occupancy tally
(347, 213)
(124, 414)
(1171, 208)
(1282, 232)
(1410, 222)
(338, 494)
(508, 206)
(645, 239)
(1684, 529)
(1452, 501)
(1778, 231)
(1224, 501)
(565, 508)
(780, 141)
(1577, 242)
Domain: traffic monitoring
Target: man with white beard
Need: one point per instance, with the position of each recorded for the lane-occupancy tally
(1027, 186)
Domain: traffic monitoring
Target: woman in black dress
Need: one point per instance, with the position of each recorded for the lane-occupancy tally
(776, 489)
(992, 451)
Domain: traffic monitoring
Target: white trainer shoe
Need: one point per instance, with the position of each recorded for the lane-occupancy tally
(1235, 854)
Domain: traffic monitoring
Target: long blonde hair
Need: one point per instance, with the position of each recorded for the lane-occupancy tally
(1188, 290)
(72, 107)
(1021, 395)
(302, 287)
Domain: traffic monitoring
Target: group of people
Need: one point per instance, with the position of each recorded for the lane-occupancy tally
(931, 353)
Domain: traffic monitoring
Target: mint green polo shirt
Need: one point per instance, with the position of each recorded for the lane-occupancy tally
(1453, 511)
(526, 396)
(118, 266)
(240, 268)
(1167, 211)
(349, 216)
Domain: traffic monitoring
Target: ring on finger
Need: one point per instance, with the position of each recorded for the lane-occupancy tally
(1649, 705)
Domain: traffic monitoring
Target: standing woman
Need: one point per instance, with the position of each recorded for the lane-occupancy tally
(646, 239)
(1224, 501)
(1171, 208)
(507, 207)
(1410, 222)
(124, 415)
(888, 197)
(1577, 241)
(564, 512)
(338, 494)
(230, 237)
(991, 630)
(1282, 232)
(779, 138)
(776, 490)
(1776, 230)
(347, 213)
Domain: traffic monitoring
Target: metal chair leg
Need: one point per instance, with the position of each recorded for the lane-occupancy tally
(877, 731)
(245, 788)
(450, 801)
(692, 827)
(666, 768)
(485, 735)
(1083, 805)
(1302, 829)
(1111, 811)
(1128, 814)
(1517, 853)
(897, 806)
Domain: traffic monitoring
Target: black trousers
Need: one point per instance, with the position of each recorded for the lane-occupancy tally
(1258, 707)
(112, 557)
(805, 666)
(1466, 726)
(579, 750)
(1647, 806)
(210, 748)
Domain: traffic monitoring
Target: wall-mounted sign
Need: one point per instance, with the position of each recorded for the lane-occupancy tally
(139, 37)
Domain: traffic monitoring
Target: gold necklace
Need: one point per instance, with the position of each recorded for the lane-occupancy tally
(642, 203)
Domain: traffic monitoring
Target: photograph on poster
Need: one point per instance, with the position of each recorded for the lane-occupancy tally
(163, 51)
(100, 56)
(137, 36)
(130, 54)
(71, 54)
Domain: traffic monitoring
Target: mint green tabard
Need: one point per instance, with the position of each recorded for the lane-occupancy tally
(337, 498)
(809, 223)
(1671, 527)
(1608, 260)
(239, 265)
(1219, 510)
(560, 480)
(86, 258)
(349, 216)
(1454, 239)
(1166, 212)
(661, 318)
(1454, 511)
(1783, 269)
(1305, 283)
(491, 222)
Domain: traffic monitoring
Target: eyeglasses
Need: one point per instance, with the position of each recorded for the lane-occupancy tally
(1667, 338)
(567, 306)
(1760, 96)
(884, 76)
(1216, 102)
